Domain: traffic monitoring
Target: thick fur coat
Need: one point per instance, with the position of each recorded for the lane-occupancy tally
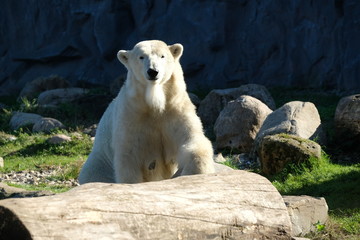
(150, 131)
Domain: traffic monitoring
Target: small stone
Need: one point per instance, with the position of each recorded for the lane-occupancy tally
(3, 106)
(305, 212)
(219, 158)
(91, 130)
(77, 135)
(58, 139)
(46, 125)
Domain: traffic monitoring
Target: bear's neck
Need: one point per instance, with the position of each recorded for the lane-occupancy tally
(152, 97)
(155, 97)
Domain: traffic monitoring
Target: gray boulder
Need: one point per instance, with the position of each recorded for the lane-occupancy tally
(41, 84)
(194, 99)
(347, 120)
(211, 106)
(53, 98)
(297, 118)
(20, 119)
(259, 92)
(46, 125)
(3, 106)
(91, 130)
(276, 151)
(117, 84)
(239, 122)
(305, 212)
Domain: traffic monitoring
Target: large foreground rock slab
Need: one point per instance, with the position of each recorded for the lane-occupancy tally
(235, 205)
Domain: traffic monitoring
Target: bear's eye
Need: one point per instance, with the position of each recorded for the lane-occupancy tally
(162, 56)
(141, 57)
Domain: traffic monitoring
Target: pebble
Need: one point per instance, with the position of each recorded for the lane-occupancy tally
(36, 178)
(59, 138)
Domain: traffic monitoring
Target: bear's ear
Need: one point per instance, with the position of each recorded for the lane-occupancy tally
(176, 50)
(123, 57)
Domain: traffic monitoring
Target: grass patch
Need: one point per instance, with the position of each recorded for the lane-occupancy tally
(31, 152)
(230, 163)
(71, 170)
(338, 184)
(42, 187)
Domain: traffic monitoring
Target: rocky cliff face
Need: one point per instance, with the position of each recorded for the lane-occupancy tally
(227, 43)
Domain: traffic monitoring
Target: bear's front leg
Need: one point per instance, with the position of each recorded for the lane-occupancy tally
(126, 170)
(195, 157)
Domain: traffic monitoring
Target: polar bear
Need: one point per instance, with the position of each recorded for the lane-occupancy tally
(150, 131)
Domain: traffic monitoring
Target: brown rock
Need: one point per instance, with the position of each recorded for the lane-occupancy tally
(347, 120)
(53, 98)
(305, 212)
(35, 87)
(194, 99)
(239, 122)
(297, 118)
(211, 106)
(276, 151)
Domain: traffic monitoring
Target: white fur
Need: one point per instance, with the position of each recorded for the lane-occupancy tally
(150, 131)
(155, 97)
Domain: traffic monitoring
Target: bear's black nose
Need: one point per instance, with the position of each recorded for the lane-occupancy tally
(152, 74)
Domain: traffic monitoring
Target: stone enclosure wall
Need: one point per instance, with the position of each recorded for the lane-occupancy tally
(227, 43)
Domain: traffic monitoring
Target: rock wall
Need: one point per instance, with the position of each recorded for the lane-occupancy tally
(227, 43)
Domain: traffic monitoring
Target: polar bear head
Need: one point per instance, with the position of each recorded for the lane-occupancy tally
(151, 64)
(151, 61)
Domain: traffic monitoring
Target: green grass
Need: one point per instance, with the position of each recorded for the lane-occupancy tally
(42, 187)
(33, 152)
(339, 185)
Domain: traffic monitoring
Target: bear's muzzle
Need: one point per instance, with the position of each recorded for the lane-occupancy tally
(152, 73)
